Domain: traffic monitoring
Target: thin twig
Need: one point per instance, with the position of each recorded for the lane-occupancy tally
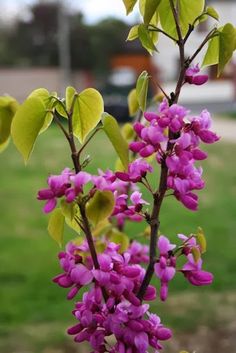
(88, 140)
(156, 29)
(208, 37)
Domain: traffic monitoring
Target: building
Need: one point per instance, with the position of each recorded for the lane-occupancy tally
(167, 60)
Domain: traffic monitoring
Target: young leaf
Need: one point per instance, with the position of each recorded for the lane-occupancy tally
(146, 39)
(142, 90)
(87, 112)
(70, 93)
(26, 125)
(56, 225)
(227, 45)
(150, 9)
(119, 238)
(100, 207)
(128, 132)
(49, 102)
(112, 130)
(8, 107)
(212, 13)
(201, 240)
(133, 33)
(212, 55)
(133, 102)
(188, 12)
(68, 209)
(196, 254)
(129, 5)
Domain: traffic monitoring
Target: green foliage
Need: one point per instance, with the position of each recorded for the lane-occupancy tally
(27, 123)
(112, 130)
(119, 238)
(227, 42)
(129, 5)
(212, 55)
(221, 47)
(100, 206)
(70, 93)
(142, 90)
(128, 132)
(201, 239)
(49, 102)
(150, 9)
(133, 33)
(212, 13)
(8, 107)
(87, 112)
(133, 102)
(146, 39)
(56, 225)
(188, 12)
(71, 213)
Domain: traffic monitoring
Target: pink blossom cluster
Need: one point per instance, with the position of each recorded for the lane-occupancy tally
(70, 185)
(122, 314)
(179, 150)
(165, 268)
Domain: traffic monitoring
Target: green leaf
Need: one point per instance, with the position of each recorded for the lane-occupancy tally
(70, 93)
(146, 39)
(112, 130)
(56, 225)
(87, 112)
(26, 125)
(100, 206)
(8, 107)
(188, 12)
(49, 102)
(227, 45)
(150, 10)
(71, 212)
(68, 209)
(128, 132)
(133, 102)
(142, 90)
(212, 13)
(129, 5)
(196, 254)
(212, 55)
(119, 238)
(133, 33)
(201, 240)
(4, 145)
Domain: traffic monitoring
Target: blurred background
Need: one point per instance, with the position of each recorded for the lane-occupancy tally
(53, 44)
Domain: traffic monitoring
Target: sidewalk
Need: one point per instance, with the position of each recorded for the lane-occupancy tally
(214, 91)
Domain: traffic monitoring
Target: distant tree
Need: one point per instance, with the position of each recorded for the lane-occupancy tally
(35, 43)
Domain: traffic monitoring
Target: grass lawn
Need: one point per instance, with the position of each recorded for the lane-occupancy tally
(33, 310)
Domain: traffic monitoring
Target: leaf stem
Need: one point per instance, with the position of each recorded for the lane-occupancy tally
(159, 30)
(204, 42)
(88, 140)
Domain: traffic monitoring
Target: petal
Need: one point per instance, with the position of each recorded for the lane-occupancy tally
(50, 205)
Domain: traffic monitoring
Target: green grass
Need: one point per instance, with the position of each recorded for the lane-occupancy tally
(29, 301)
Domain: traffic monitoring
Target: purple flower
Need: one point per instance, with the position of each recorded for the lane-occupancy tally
(136, 171)
(192, 77)
(165, 268)
(58, 184)
(79, 180)
(194, 274)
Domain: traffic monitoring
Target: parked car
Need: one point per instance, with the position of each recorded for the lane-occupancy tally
(115, 92)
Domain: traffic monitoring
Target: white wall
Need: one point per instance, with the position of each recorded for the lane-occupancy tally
(167, 59)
